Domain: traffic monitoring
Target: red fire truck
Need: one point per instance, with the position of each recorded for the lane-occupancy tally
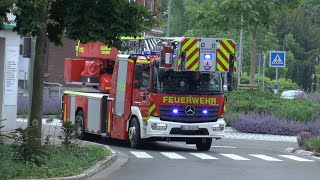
(173, 94)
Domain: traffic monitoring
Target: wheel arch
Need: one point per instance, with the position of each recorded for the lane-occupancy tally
(135, 112)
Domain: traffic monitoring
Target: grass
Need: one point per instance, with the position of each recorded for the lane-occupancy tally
(312, 144)
(61, 163)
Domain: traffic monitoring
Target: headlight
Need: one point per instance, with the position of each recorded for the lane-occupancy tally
(217, 127)
(159, 126)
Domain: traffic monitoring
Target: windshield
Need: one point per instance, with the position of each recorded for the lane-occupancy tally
(185, 82)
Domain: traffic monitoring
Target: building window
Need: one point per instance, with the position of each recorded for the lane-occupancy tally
(145, 3)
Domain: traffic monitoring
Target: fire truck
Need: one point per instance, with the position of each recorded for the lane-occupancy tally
(165, 89)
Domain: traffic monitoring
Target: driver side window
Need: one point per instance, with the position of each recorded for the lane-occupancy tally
(141, 76)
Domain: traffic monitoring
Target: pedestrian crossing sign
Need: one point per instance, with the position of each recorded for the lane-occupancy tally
(277, 58)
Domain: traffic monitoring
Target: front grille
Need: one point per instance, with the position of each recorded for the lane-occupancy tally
(166, 114)
(201, 131)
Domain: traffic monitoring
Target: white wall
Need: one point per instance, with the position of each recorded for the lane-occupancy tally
(9, 93)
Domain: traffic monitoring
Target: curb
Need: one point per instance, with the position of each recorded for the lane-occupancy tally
(91, 171)
(299, 152)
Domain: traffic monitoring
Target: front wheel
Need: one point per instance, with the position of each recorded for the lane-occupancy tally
(204, 144)
(79, 131)
(134, 133)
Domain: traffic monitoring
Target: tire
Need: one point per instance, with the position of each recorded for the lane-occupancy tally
(134, 134)
(79, 131)
(204, 146)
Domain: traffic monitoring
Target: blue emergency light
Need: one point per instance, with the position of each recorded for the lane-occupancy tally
(149, 53)
(207, 56)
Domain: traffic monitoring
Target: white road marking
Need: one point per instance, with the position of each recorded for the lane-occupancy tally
(235, 157)
(203, 156)
(264, 157)
(296, 158)
(141, 154)
(315, 157)
(172, 155)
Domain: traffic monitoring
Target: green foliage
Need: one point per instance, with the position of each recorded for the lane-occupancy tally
(1, 135)
(105, 21)
(4, 8)
(68, 134)
(312, 144)
(26, 148)
(245, 102)
(64, 162)
(301, 74)
(283, 83)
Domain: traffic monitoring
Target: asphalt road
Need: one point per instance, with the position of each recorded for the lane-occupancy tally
(227, 159)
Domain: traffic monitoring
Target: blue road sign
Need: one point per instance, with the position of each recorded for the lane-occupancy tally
(277, 59)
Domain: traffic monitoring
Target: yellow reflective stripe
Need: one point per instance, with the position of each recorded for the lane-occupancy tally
(219, 68)
(184, 47)
(152, 108)
(64, 112)
(195, 66)
(131, 61)
(131, 37)
(145, 118)
(229, 46)
(225, 52)
(193, 48)
(143, 61)
(109, 123)
(223, 61)
(77, 50)
(95, 95)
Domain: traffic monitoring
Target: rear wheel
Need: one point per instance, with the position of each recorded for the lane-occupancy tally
(204, 144)
(79, 132)
(134, 133)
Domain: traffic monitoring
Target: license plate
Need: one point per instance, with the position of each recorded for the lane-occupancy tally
(187, 127)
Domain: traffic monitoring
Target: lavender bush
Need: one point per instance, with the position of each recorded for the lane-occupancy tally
(268, 124)
(315, 96)
(302, 137)
(51, 106)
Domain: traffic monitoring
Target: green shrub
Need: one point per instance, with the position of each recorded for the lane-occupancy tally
(64, 162)
(27, 149)
(312, 144)
(284, 84)
(245, 102)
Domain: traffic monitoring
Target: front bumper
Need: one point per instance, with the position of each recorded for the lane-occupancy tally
(211, 129)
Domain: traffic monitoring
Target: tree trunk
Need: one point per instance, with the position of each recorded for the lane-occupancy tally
(253, 56)
(35, 119)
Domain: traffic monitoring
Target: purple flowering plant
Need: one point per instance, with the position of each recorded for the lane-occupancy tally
(51, 105)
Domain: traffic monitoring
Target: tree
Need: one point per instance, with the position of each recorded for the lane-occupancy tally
(257, 14)
(88, 21)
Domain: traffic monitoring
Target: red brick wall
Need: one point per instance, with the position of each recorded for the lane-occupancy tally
(56, 57)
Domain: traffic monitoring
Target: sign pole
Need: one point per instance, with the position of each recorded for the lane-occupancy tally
(276, 86)
(259, 59)
(263, 65)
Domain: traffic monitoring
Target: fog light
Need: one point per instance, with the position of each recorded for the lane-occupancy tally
(158, 126)
(217, 127)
